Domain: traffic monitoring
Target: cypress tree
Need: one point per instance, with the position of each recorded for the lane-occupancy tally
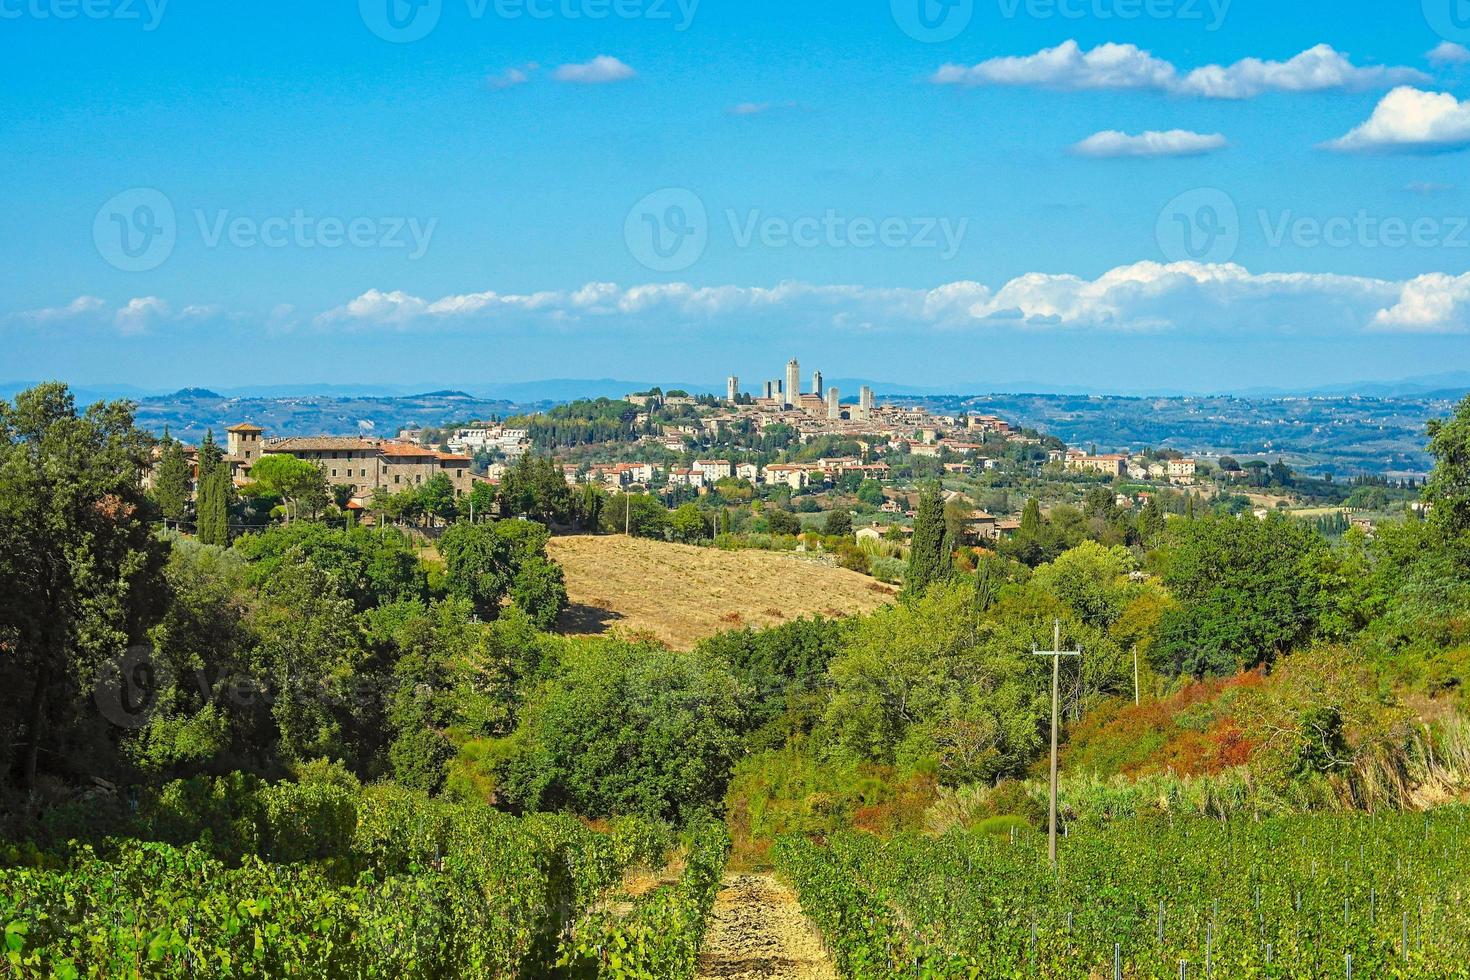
(216, 493)
(928, 555)
(171, 481)
(986, 584)
(224, 496)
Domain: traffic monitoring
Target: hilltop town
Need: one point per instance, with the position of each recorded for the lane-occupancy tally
(790, 466)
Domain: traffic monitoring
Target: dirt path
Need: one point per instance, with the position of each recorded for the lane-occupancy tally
(757, 932)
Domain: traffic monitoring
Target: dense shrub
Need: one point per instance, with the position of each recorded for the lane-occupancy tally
(626, 729)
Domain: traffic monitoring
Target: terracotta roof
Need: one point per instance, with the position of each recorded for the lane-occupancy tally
(244, 427)
(406, 449)
(318, 444)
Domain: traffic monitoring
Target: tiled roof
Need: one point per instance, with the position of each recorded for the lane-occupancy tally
(319, 444)
(406, 449)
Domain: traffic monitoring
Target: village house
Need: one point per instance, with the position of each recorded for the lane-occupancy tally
(787, 474)
(1182, 470)
(1111, 464)
(714, 469)
(748, 471)
(686, 477)
(880, 532)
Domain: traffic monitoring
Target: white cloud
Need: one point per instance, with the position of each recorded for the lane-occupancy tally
(139, 314)
(1067, 66)
(1428, 187)
(1182, 297)
(135, 316)
(82, 306)
(1409, 120)
(1449, 53)
(1144, 296)
(1173, 143)
(1125, 66)
(598, 71)
(511, 77)
(758, 108)
(1318, 69)
(1434, 303)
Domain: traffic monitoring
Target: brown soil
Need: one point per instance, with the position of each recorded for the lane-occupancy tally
(757, 932)
(679, 594)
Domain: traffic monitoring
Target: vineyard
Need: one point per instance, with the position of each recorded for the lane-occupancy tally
(407, 888)
(1299, 897)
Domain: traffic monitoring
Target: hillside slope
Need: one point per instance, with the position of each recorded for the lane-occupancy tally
(681, 594)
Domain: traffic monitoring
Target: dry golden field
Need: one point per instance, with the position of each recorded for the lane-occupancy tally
(679, 594)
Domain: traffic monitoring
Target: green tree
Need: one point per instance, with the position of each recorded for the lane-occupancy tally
(1026, 544)
(870, 492)
(782, 521)
(172, 480)
(80, 571)
(309, 657)
(783, 668)
(838, 523)
(539, 590)
(929, 555)
(372, 568)
(434, 648)
(1150, 522)
(1245, 590)
(689, 524)
(437, 498)
(481, 502)
(536, 488)
(917, 686)
(485, 563)
(623, 729)
(639, 513)
(301, 484)
(1448, 488)
(212, 515)
(215, 494)
(590, 502)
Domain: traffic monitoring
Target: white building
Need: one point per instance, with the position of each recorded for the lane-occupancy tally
(714, 469)
(513, 443)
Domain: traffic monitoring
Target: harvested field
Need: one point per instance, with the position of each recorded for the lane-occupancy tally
(680, 594)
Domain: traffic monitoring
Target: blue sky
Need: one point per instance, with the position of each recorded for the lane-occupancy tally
(1081, 192)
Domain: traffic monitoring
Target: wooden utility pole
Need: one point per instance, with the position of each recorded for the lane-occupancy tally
(1135, 674)
(1056, 653)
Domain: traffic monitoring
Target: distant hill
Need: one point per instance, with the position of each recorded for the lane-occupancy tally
(190, 413)
(1345, 434)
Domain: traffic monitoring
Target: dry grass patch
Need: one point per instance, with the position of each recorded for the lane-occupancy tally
(679, 594)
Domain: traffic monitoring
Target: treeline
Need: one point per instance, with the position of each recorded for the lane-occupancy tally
(579, 423)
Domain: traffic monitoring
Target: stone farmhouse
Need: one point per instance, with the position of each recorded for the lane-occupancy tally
(367, 465)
